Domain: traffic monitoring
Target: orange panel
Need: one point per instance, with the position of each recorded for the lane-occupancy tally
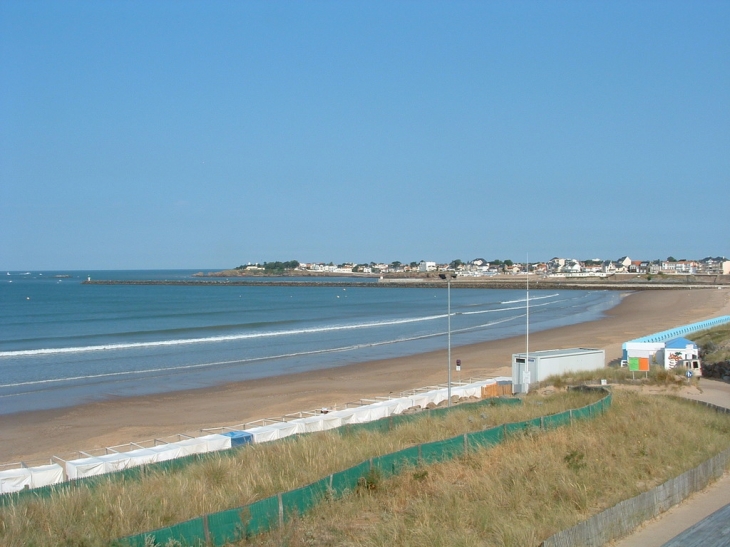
(644, 364)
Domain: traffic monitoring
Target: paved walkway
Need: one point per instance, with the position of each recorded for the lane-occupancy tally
(703, 518)
(714, 530)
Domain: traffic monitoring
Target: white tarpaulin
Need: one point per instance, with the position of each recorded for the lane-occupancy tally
(201, 445)
(14, 480)
(108, 463)
(331, 421)
(143, 456)
(276, 431)
(165, 452)
(89, 467)
(84, 467)
(45, 475)
(311, 424)
(116, 462)
(263, 434)
(346, 416)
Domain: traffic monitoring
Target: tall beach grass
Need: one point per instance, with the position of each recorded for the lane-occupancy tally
(523, 491)
(91, 516)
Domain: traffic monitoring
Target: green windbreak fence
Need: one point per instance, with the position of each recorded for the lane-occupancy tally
(392, 464)
(264, 515)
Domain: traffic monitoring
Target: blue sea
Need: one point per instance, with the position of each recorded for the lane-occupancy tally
(63, 343)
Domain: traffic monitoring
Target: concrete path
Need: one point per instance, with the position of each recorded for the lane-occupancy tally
(688, 521)
(714, 530)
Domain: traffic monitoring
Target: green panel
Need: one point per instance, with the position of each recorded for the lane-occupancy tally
(173, 466)
(438, 413)
(582, 413)
(261, 516)
(189, 533)
(347, 479)
(556, 420)
(606, 402)
(486, 438)
(137, 540)
(400, 419)
(392, 464)
(297, 502)
(376, 426)
(226, 526)
(520, 427)
(131, 474)
(42, 492)
(496, 401)
(442, 450)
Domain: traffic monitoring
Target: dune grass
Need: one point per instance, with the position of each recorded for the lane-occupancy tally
(90, 516)
(657, 375)
(714, 343)
(523, 491)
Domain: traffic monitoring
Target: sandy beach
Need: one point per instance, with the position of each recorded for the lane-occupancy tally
(34, 437)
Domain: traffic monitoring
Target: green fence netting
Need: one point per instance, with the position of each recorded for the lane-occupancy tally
(189, 533)
(582, 413)
(227, 526)
(348, 479)
(261, 516)
(488, 437)
(522, 427)
(296, 502)
(392, 464)
(266, 514)
(556, 420)
(439, 451)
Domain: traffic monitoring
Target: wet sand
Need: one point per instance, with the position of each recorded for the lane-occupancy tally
(34, 437)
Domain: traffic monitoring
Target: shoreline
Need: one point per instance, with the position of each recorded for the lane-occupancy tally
(36, 436)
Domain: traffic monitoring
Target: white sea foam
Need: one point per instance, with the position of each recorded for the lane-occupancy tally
(244, 336)
(531, 299)
(118, 374)
(227, 338)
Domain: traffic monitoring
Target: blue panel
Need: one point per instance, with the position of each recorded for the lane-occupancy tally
(239, 438)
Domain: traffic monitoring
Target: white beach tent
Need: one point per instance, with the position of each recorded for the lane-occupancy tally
(273, 432)
(15, 480)
(202, 445)
(312, 423)
(108, 463)
(92, 466)
(46, 475)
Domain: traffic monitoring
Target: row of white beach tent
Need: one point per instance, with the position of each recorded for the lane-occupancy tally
(14, 480)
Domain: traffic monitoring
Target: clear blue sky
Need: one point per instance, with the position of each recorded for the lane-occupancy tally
(209, 134)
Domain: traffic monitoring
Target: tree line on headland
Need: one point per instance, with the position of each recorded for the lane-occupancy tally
(272, 267)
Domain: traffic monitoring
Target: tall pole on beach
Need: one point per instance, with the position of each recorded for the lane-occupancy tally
(448, 277)
(527, 336)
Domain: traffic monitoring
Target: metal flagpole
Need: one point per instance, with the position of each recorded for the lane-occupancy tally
(527, 336)
(448, 277)
(448, 290)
